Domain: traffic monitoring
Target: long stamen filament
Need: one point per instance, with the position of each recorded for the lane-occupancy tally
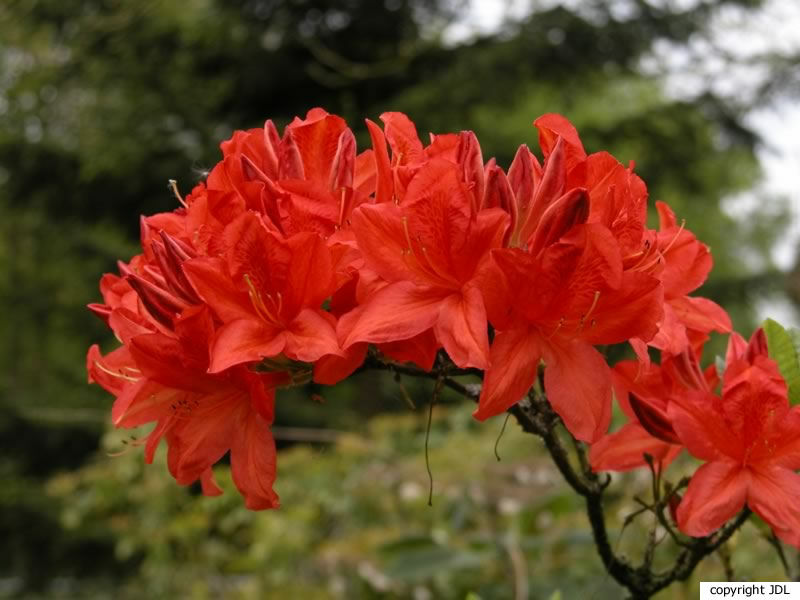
(408, 236)
(117, 374)
(660, 253)
(341, 206)
(675, 237)
(173, 185)
(592, 307)
(642, 255)
(258, 301)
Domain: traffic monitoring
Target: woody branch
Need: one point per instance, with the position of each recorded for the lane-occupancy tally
(535, 415)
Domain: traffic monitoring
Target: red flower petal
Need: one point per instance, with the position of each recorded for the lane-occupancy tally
(671, 337)
(773, 496)
(398, 311)
(420, 350)
(208, 278)
(245, 340)
(164, 360)
(402, 135)
(577, 381)
(309, 279)
(203, 438)
(317, 139)
(379, 231)
(143, 402)
(698, 427)
(310, 336)
(653, 419)
(524, 175)
(551, 126)
(630, 311)
(786, 442)
(208, 484)
(715, 494)
(624, 450)
(485, 233)
(701, 314)
(514, 359)
(331, 369)
(253, 463)
(385, 185)
(462, 329)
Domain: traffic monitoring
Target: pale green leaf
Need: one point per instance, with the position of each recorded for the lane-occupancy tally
(783, 350)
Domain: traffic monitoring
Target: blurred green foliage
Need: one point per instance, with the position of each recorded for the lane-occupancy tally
(102, 101)
(354, 522)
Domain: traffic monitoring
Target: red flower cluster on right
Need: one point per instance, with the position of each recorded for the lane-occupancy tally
(748, 435)
(299, 253)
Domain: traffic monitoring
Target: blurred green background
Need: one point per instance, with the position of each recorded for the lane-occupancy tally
(103, 101)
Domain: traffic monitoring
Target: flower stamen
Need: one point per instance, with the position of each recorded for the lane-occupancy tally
(590, 311)
(173, 185)
(258, 301)
(117, 374)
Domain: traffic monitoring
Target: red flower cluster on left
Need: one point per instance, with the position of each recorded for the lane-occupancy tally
(298, 253)
(225, 302)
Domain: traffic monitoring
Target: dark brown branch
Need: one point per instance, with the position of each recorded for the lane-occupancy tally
(776, 544)
(535, 415)
(373, 363)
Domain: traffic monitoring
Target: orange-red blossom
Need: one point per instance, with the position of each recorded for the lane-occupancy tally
(299, 252)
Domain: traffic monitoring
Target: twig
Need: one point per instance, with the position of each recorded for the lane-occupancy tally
(724, 554)
(776, 543)
(436, 391)
(500, 435)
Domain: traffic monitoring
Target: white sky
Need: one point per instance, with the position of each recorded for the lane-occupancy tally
(741, 35)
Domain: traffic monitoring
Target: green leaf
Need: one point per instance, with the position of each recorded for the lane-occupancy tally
(783, 349)
(794, 333)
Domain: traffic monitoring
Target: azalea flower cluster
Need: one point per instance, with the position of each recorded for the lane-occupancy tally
(298, 254)
(748, 436)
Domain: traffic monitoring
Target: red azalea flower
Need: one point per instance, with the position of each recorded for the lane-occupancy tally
(160, 378)
(567, 286)
(750, 440)
(644, 393)
(409, 154)
(267, 292)
(430, 249)
(159, 374)
(557, 306)
(308, 180)
(686, 263)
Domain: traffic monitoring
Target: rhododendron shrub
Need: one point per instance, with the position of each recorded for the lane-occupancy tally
(301, 257)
